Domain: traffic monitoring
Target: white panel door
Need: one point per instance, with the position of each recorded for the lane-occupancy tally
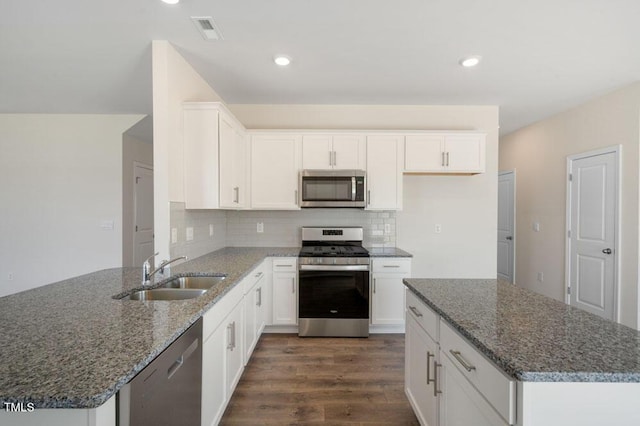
(349, 152)
(142, 213)
(424, 153)
(316, 152)
(593, 201)
(387, 299)
(420, 355)
(506, 191)
(465, 153)
(285, 298)
(274, 171)
(384, 172)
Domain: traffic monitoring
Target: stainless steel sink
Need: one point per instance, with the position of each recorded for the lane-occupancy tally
(168, 294)
(193, 282)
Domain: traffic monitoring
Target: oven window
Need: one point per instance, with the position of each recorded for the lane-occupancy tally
(326, 188)
(334, 294)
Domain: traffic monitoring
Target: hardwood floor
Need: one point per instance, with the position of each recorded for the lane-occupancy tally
(323, 381)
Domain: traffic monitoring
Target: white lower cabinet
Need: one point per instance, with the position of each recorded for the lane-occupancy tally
(285, 291)
(387, 290)
(447, 381)
(222, 354)
(254, 309)
(421, 351)
(460, 403)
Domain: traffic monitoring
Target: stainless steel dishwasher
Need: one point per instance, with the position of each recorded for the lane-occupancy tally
(169, 390)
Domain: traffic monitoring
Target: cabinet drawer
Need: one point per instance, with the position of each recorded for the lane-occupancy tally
(214, 316)
(498, 389)
(285, 264)
(391, 265)
(423, 314)
(253, 277)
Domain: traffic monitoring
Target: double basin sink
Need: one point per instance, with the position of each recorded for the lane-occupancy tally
(180, 288)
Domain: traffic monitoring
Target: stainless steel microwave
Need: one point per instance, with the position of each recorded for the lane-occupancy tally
(332, 188)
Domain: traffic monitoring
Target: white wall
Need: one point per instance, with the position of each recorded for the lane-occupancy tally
(465, 206)
(538, 154)
(61, 177)
(174, 82)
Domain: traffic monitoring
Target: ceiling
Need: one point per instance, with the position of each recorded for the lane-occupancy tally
(538, 57)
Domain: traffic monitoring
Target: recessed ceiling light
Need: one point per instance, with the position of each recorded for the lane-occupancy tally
(171, 1)
(470, 61)
(282, 60)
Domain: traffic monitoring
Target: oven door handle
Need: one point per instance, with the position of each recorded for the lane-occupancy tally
(334, 267)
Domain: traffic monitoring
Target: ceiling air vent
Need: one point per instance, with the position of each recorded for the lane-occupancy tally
(207, 27)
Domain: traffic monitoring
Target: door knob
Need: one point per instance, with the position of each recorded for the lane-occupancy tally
(509, 238)
(607, 251)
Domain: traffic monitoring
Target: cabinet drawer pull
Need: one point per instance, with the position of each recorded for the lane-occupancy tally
(435, 378)
(461, 360)
(258, 275)
(284, 266)
(390, 266)
(415, 311)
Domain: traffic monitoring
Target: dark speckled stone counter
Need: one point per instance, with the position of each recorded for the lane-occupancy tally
(388, 252)
(71, 345)
(532, 337)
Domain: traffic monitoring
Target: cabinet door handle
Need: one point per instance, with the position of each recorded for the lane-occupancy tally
(442, 160)
(435, 378)
(331, 158)
(295, 201)
(429, 355)
(447, 159)
(461, 360)
(368, 197)
(234, 335)
(293, 285)
(335, 158)
(236, 195)
(374, 286)
(415, 311)
(229, 338)
(259, 301)
(258, 275)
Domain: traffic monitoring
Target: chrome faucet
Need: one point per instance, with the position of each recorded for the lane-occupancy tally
(146, 266)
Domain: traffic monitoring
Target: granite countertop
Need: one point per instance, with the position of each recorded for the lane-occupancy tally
(71, 345)
(388, 252)
(533, 337)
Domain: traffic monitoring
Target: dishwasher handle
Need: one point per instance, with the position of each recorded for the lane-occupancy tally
(182, 358)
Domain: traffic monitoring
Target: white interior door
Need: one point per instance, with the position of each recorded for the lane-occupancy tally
(593, 194)
(142, 213)
(506, 209)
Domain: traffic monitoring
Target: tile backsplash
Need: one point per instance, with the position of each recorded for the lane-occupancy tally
(238, 228)
(282, 228)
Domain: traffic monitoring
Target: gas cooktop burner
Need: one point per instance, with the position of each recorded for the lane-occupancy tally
(334, 251)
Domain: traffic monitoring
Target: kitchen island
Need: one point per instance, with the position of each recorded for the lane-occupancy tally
(554, 364)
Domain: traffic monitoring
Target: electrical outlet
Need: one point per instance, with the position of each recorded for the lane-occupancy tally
(174, 235)
(540, 276)
(10, 276)
(438, 228)
(260, 228)
(189, 234)
(536, 226)
(211, 230)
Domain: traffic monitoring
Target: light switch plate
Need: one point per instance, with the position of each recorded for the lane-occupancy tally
(189, 233)
(211, 230)
(107, 225)
(438, 228)
(260, 228)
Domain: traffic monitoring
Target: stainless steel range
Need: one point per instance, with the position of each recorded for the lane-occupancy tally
(334, 283)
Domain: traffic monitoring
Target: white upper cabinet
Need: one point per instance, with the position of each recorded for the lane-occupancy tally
(234, 191)
(200, 138)
(275, 161)
(333, 152)
(384, 172)
(445, 153)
